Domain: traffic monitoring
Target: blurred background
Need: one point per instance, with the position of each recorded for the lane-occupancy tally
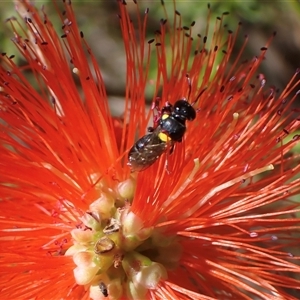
(98, 20)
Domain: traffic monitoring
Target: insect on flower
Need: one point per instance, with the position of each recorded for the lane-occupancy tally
(169, 128)
(103, 289)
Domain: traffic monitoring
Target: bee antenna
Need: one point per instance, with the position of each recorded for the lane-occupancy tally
(190, 85)
(199, 95)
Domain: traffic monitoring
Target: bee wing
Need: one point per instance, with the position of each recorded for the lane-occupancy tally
(146, 151)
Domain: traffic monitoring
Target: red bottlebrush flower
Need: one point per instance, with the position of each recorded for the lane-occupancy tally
(218, 221)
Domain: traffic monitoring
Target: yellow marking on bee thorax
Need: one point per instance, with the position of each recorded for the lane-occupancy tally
(164, 137)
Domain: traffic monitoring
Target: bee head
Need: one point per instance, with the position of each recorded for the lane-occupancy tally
(184, 110)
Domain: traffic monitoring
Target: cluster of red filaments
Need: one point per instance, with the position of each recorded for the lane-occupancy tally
(218, 222)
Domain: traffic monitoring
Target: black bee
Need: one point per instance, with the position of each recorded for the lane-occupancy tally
(147, 150)
(103, 289)
(170, 128)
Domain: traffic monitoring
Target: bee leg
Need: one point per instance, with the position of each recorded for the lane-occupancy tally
(167, 109)
(171, 149)
(157, 111)
(167, 166)
(155, 104)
